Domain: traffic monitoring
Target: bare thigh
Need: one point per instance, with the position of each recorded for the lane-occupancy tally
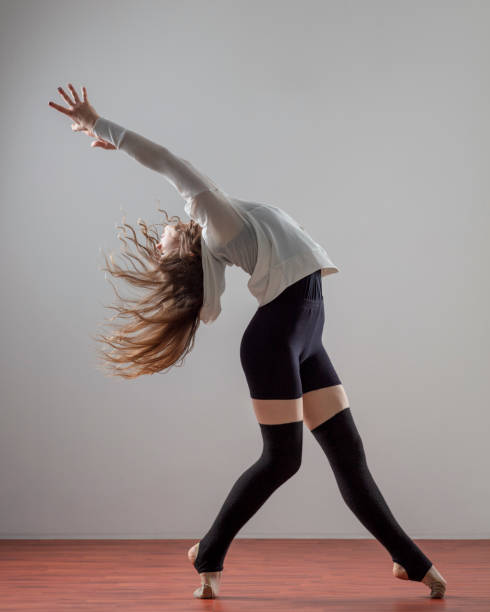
(277, 411)
(321, 404)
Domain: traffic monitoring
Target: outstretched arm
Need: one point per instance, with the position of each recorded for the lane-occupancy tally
(186, 179)
(205, 202)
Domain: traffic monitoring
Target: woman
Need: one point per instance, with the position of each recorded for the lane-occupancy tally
(287, 369)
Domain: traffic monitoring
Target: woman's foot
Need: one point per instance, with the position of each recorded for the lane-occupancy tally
(210, 581)
(432, 579)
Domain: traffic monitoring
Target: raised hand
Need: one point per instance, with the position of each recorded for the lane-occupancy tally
(83, 113)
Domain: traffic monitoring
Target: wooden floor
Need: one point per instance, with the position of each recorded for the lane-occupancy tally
(278, 574)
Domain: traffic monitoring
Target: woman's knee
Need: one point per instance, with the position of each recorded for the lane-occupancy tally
(282, 466)
(282, 448)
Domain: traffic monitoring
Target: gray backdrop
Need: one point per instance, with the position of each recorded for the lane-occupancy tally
(368, 122)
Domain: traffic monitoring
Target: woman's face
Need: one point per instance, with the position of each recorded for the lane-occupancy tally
(169, 240)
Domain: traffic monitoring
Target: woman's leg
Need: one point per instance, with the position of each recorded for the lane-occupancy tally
(340, 440)
(279, 461)
(269, 355)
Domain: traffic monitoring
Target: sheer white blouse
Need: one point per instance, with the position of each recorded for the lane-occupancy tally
(262, 239)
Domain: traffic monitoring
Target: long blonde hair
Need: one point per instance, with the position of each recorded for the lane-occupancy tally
(165, 320)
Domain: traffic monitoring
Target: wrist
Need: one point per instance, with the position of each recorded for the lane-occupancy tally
(94, 121)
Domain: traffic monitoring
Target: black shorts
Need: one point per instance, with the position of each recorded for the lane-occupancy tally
(281, 350)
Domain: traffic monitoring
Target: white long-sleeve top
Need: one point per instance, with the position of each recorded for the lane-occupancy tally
(262, 239)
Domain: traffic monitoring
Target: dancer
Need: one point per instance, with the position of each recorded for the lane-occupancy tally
(287, 369)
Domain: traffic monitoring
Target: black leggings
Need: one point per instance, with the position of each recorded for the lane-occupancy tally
(281, 350)
(283, 357)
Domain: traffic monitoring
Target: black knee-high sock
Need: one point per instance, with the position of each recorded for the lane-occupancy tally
(340, 440)
(280, 459)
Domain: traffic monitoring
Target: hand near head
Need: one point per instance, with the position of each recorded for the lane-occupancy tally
(83, 113)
